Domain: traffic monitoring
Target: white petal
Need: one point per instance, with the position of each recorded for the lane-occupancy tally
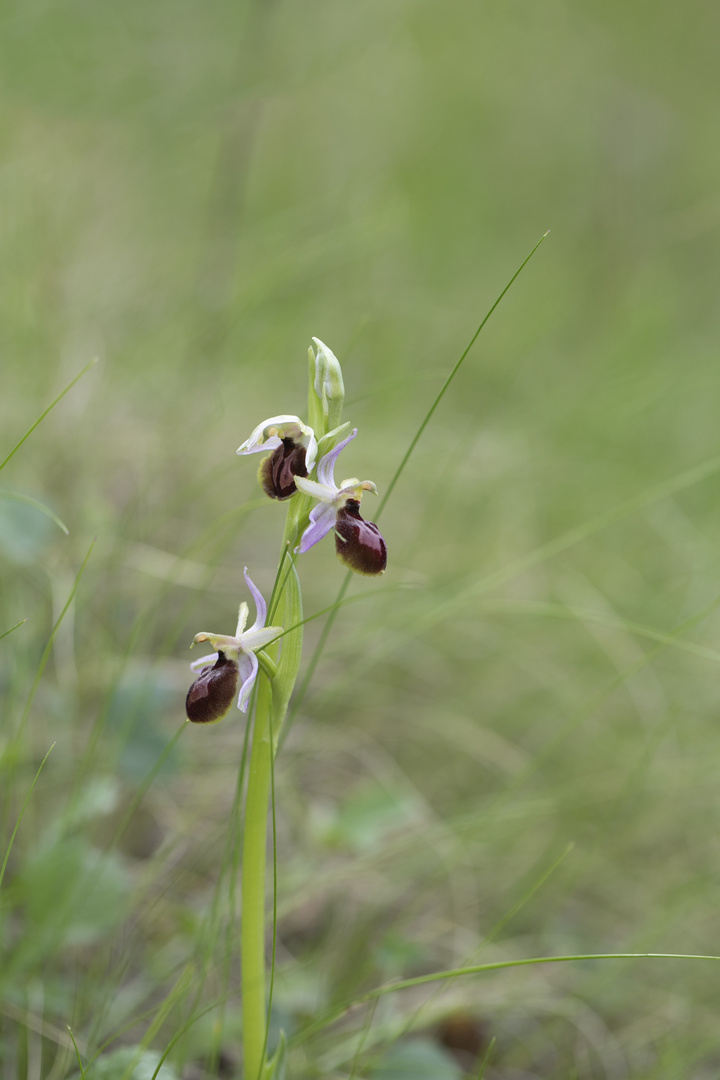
(258, 639)
(258, 441)
(311, 451)
(271, 443)
(322, 492)
(243, 613)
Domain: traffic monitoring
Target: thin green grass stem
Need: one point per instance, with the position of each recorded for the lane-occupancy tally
(255, 1009)
(322, 641)
(211, 925)
(318, 651)
(20, 815)
(77, 1053)
(367, 1026)
(253, 885)
(48, 648)
(486, 1058)
(144, 788)
(15, 627)
(477, 969)
(27, 500)
(496, 930)
(274, 894)
(42, 415)
(428, 416)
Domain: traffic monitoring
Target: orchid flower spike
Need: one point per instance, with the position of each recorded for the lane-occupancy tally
(358, 543)
(294, 449)
(211, 695)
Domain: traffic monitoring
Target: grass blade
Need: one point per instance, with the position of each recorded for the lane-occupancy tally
(322, 641)
(20, 816)
(418, 434)
(477, 969)
(486, 1058)
(48, 648)
(36, 505)
(15, 627)
(83, 1074)
(50, 407)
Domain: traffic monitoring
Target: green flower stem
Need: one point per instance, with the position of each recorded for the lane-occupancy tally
(253, 885)
(276, 680)
(254, 1005)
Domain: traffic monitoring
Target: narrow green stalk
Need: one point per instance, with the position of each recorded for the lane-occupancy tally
(47, 651)
(458, 364)
(253, 885)
(43, 414)
(315, 658)
(276, 680)
(20, 816)
(15, 627)
(260, 778)
(477, 969)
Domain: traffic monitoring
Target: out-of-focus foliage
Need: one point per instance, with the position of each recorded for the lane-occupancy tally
(189, 192)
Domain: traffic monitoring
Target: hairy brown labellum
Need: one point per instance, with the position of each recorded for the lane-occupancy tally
(358, 543)
(278, 470)
(211, 695)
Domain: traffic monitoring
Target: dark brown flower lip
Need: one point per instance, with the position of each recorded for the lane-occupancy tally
(278, 470)
(211, 695)
(359, 544)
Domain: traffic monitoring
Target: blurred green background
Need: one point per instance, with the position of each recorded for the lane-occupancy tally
(189, 192)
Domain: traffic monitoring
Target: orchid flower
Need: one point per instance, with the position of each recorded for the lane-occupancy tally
(294, 453)
(211, 695)
(358, 543)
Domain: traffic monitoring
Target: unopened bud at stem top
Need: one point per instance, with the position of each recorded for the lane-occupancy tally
(327, 392)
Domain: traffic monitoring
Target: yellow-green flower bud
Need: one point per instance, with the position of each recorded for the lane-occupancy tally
(327, 389)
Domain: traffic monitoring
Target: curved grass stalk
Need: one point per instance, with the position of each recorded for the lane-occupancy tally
(478, 969)
(322, 641)
(48, 648)
(428, 416)
(582, 615)
(43, 414)
(15, 627)
(20, 816)
(35, 504)
(494, 932)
